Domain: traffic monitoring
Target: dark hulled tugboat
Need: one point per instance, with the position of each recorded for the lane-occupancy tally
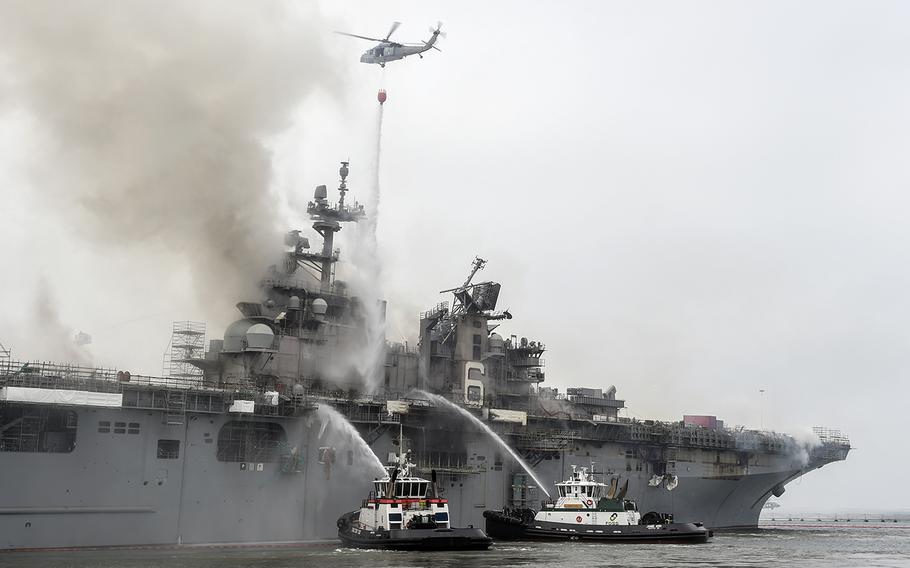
(404, 512)
(591, 511)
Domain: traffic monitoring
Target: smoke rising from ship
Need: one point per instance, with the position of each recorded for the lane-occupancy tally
(153, 121)
(57, 340)
(804, 440)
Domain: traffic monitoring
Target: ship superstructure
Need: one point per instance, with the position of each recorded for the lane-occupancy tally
(238, 453)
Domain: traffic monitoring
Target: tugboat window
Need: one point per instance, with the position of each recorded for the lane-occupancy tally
(251, 442)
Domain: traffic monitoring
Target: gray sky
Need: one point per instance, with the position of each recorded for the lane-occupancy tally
(692, 201)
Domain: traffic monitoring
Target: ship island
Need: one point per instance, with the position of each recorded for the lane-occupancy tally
(227, 445)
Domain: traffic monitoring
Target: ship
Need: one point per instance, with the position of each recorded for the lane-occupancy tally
(229, 445)
(592, 511)
(405, 512)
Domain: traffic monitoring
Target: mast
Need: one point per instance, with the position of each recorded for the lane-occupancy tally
(327, 219)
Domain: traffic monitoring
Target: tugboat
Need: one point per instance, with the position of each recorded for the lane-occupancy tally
(405, 512)
(589, 510)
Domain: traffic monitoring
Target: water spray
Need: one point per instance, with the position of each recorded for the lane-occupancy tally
(329, 415)
(371, 358)
(502, 443)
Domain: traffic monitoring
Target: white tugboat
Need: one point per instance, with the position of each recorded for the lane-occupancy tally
(587, 509)
(405, 512)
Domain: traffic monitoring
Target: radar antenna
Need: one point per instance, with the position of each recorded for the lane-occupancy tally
(478, 264)
(327, 220)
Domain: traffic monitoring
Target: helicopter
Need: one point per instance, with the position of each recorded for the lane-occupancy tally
(388, 50)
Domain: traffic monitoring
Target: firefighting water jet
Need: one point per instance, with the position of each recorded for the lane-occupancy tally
(337, 429)
(442, 401)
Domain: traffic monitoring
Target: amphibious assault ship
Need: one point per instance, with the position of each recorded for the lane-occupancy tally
(231, 447)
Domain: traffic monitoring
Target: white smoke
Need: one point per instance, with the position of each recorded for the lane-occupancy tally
(55, 340)
(152, 118)
(804, 441)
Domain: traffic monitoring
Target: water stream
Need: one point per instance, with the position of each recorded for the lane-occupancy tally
(336, 430)
(439, 400)
(366, 281)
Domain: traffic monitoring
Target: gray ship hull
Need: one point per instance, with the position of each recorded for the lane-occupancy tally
(115, 489)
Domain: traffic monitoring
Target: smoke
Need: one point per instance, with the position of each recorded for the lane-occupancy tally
(54, 339)
(154, 119)
(804, 440)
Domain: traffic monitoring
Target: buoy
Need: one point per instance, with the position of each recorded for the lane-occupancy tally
(381, 96)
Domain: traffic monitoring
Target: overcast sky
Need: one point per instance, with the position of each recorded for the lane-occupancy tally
(691, 201)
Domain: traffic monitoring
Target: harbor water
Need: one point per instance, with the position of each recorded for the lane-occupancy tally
(806, 546)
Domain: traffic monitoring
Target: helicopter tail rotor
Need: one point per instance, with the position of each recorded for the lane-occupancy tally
(437, 30)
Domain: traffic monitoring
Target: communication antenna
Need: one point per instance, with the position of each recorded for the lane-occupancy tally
(478, 264)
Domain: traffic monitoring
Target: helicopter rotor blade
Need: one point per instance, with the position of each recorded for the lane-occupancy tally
(438, 30)
(391, 31)
(359, 36)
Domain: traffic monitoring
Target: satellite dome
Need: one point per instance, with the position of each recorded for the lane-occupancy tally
(259, 337)
(294, 303)
(233, 336)
(320, 307)
(497, 345)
